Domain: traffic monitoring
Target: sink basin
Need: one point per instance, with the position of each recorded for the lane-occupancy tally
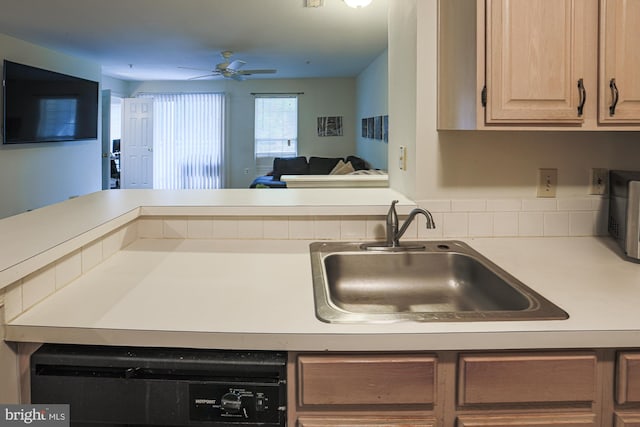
(429, 281)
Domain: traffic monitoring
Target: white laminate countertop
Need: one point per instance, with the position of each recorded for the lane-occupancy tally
(258, 295)
(33, 239)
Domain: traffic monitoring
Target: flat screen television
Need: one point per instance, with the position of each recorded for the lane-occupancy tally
(45, 106)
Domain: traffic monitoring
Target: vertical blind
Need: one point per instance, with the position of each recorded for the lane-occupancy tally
(188, 144)
(276, 130)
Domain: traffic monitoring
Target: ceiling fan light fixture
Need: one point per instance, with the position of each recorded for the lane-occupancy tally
(357, 3)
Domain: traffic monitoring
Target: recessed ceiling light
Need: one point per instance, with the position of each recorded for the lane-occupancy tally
(357, 3)
(314, 3)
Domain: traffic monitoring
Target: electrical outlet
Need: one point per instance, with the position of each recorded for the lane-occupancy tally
(547, 182)
(598, 181)
(403, 158)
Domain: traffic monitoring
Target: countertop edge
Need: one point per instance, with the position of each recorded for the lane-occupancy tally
(330, 342)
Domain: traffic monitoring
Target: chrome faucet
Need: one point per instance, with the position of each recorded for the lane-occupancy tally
(394, 233)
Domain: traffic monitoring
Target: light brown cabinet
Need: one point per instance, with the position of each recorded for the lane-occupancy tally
(537, 59)
(494, 379)
(364, 389)
(528, 420)
(468, 389)
(538, 64)
(627, 390)
(620, 62)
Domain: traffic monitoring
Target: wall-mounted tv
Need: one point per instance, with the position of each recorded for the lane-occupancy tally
(45, 106)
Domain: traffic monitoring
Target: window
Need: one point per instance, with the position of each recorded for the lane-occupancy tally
(276, 130)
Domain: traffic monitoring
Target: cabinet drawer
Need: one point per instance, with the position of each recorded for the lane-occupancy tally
(366, 380)
(368, 421)
(528, 420)
(628, 378)
(627, 420)
(527, 378)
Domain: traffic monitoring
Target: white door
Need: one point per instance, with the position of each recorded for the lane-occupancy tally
(106, 139)
(136, 149)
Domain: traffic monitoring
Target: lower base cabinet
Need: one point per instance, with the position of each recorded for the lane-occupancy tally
(538, 388)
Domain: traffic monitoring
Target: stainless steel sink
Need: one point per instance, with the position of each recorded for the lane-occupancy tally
(433, 281)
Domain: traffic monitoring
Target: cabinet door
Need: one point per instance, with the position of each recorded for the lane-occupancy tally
(342, 380)
(361, 421)
(628, 378)
(536, 55)
(620, 62)
(527, 378)
(528, 420)
(626, 420)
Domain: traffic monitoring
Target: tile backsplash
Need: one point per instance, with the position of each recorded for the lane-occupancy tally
(453, 218)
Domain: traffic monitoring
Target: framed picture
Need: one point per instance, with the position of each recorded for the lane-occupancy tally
(377, 127)
(370, 127)
(330, 126)
(385, 128)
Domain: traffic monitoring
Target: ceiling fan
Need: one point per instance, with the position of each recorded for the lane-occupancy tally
(229, 69)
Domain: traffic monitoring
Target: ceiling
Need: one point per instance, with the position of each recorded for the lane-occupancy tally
(153, 39)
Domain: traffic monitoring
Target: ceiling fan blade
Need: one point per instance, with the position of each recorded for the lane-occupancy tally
(204, 76)
(249, 72)
(237, 77)
(235, 65)
(196, 69)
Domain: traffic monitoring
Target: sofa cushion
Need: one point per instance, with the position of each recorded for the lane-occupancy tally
(322, 165)
(289, 166)
(342, 168)
(357, 163)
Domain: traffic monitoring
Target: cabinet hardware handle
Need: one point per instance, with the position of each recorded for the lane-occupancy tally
(615, 95)
(583, 97)
(483, 96)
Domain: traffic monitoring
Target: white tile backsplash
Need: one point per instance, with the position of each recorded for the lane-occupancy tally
(480, 224)
(326, 227)
(91, 255)
(539, 204)
(37, 286)
(225, 228)
(505, 224)
(200, 227)
(68, 268)
(13, 301)
(250, 228)
(530, 224)
(556, 224)
(175, 228)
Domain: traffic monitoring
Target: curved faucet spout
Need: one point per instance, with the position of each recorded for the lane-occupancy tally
(394, 233)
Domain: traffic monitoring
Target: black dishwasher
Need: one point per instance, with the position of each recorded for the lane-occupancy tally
(116, 386)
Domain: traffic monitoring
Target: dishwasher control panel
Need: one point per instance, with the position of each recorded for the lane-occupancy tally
(235, 403)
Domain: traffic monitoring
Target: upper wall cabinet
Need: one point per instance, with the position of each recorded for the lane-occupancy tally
(534, 64)
(620, 62)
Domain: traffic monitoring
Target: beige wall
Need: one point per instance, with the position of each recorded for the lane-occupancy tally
(477, 164)
(36, 175)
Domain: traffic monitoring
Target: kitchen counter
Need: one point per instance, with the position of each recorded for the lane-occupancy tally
(244, 294)
(34, 239)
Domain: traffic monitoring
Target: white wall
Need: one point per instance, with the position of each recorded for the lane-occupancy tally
(372, 93)
(402, 93)
(322, 97)
(35, 175)
(477, 164)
